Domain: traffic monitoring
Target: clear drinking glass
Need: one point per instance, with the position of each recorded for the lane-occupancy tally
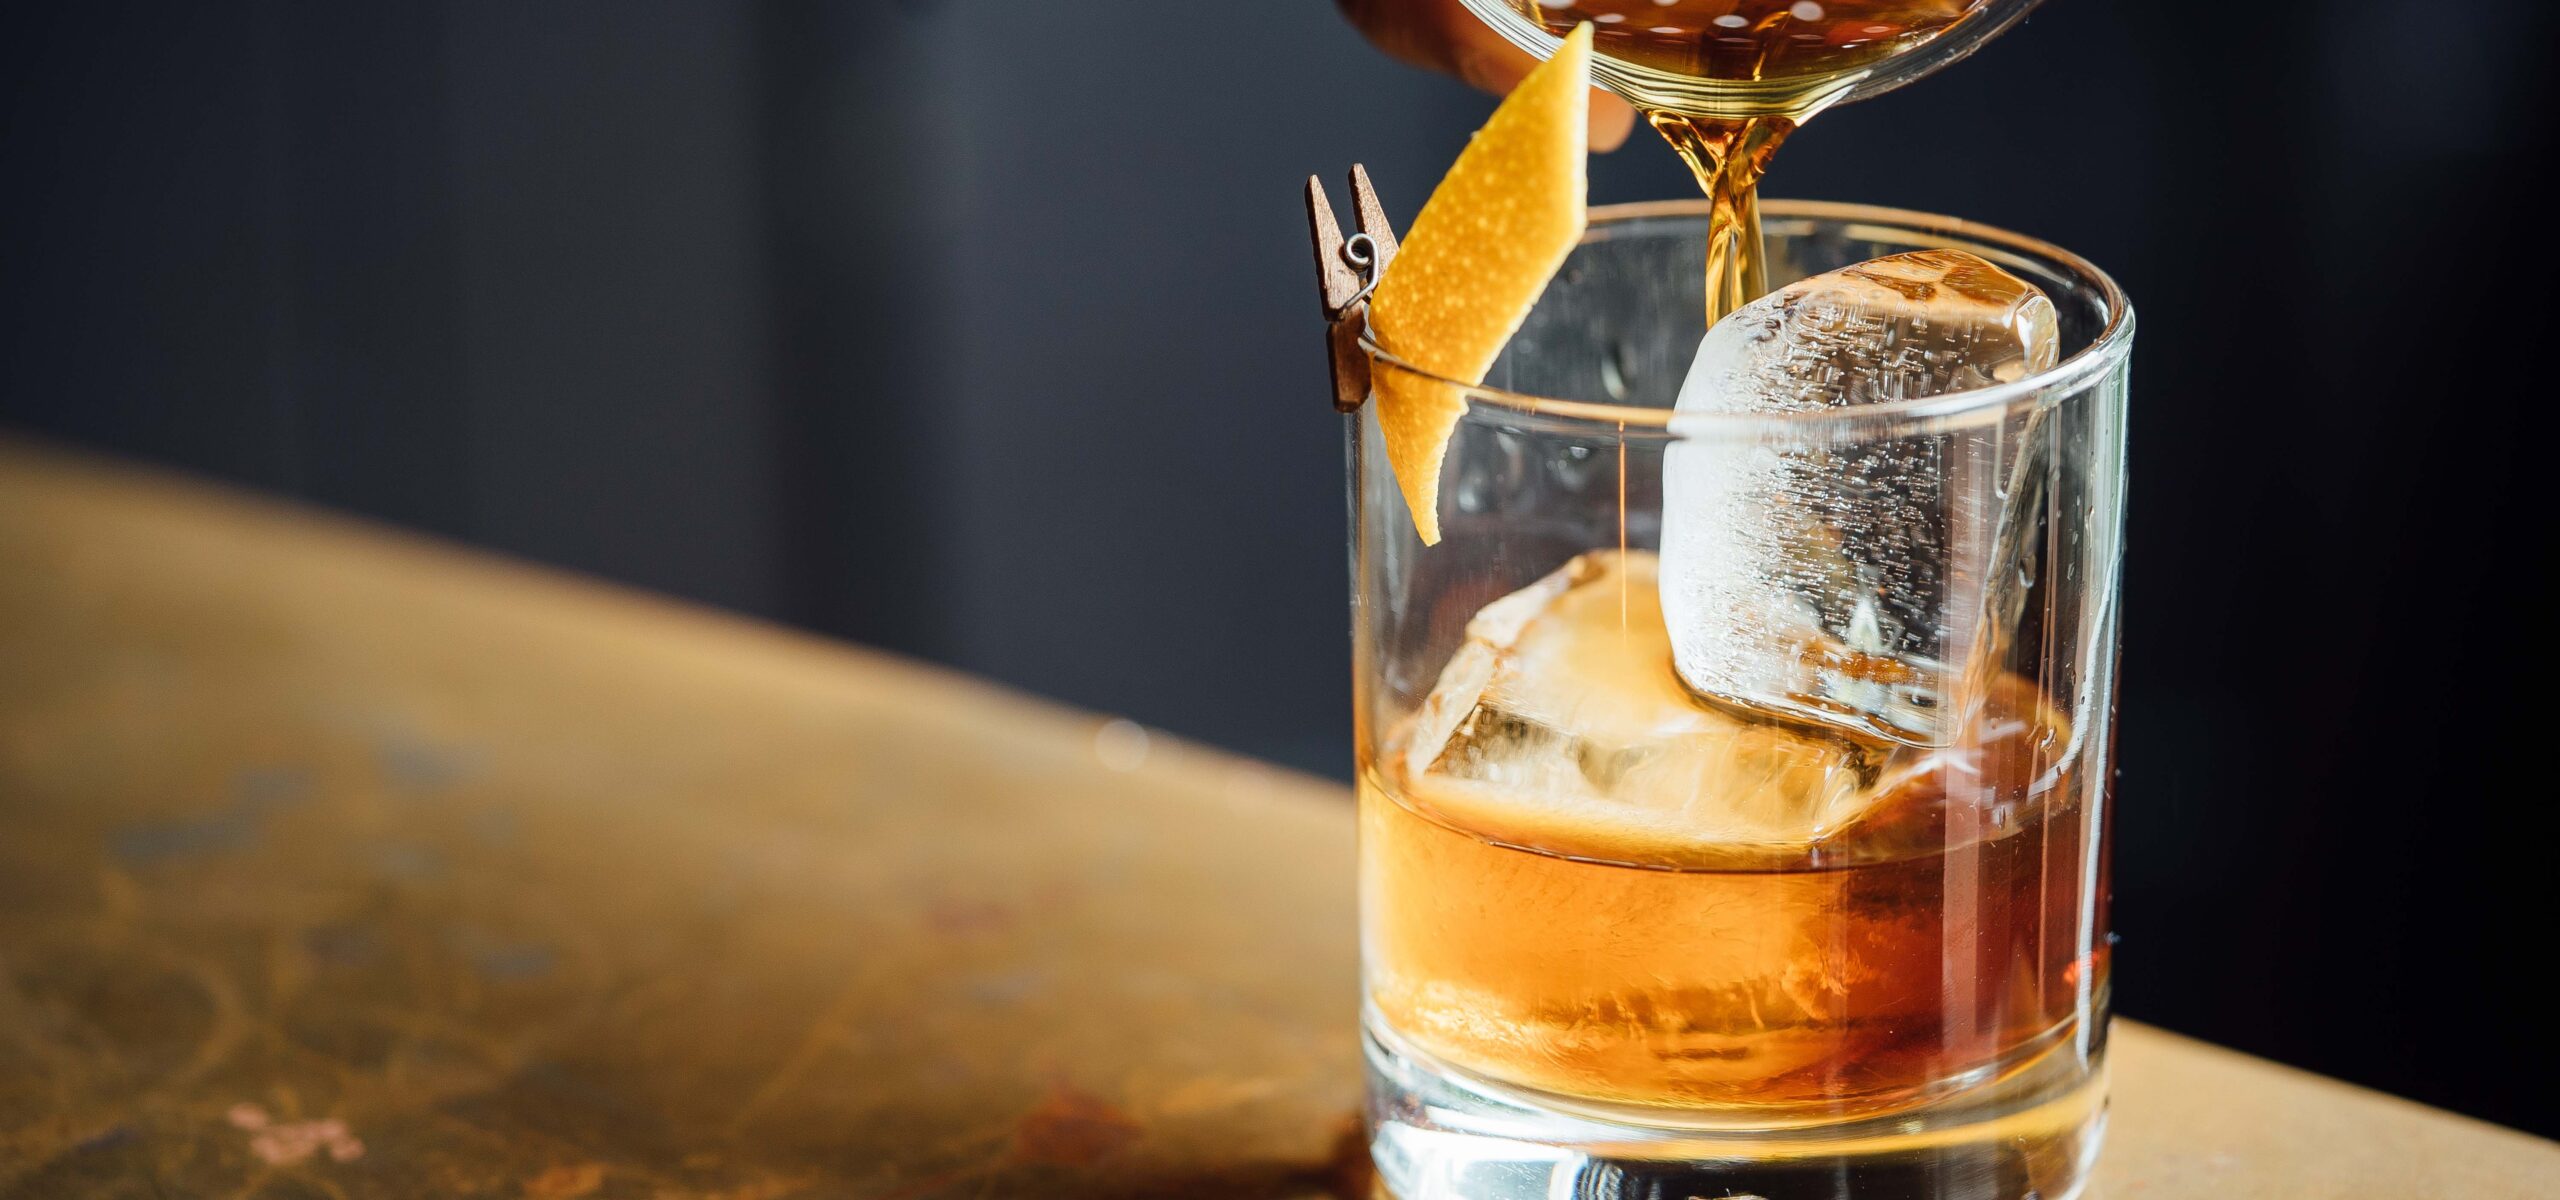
(1623, 940)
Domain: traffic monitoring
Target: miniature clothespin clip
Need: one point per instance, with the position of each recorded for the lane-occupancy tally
(1347, 270)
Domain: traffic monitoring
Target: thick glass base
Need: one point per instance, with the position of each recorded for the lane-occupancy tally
(1437, 1134)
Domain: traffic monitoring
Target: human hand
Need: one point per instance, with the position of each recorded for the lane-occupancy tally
(1444, 36)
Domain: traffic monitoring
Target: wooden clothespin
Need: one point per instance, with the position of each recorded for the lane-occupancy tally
(1347, 270)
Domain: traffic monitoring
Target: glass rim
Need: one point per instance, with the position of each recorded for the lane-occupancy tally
(1795, 97)
(2103, 353)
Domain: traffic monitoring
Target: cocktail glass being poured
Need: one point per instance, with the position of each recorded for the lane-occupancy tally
(1734, 714)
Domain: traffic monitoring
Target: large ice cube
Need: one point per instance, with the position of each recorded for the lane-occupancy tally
(1865, 582)
(1559, 725)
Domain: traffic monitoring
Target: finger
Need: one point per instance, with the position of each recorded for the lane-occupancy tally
(1481, 57)
(1442, 35)
(1611, 119)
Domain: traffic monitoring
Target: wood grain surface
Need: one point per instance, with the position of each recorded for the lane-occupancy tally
(339, 863)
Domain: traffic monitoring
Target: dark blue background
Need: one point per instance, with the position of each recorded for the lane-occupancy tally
(982, 330)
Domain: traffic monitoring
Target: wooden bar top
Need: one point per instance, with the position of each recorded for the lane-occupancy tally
(335, 862)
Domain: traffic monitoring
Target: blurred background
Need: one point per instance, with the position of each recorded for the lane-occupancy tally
(982, 331)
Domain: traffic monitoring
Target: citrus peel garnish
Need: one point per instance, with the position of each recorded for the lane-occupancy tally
(1496, 229)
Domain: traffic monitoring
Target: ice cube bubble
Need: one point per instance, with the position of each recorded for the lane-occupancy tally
(1825, 574)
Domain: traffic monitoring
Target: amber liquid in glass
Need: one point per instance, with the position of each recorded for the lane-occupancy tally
(1815, 49)
(1576, 939)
